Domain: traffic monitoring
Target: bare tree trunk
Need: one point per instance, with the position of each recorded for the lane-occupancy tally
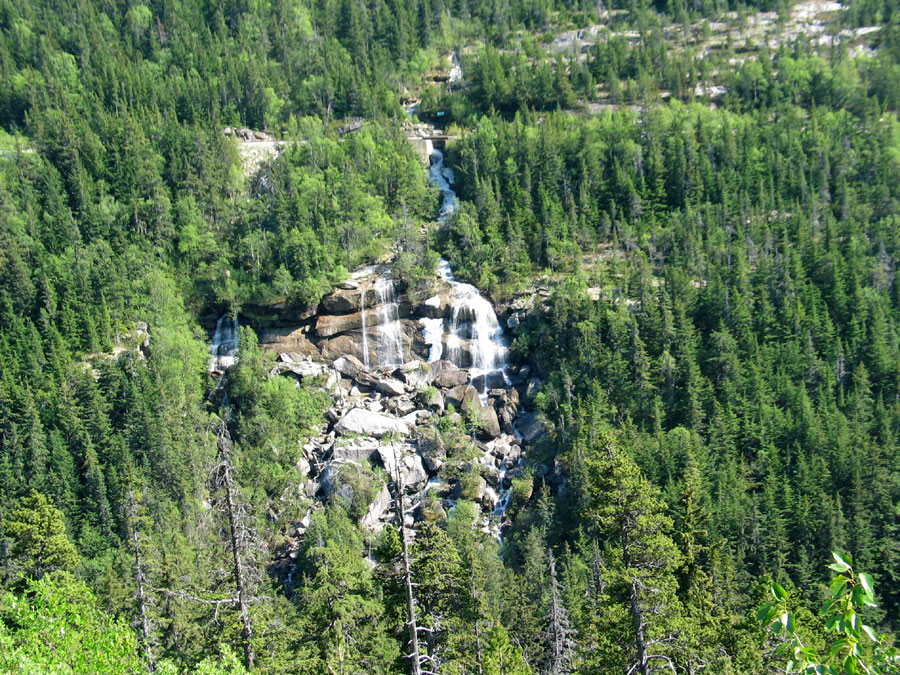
(223, 479)
(140, 579)
(407, 575)
(243, 606)
(640, 632)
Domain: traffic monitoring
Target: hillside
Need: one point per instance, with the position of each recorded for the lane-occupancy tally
(535, 337)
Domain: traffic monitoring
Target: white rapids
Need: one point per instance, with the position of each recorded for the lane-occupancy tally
(225, 342)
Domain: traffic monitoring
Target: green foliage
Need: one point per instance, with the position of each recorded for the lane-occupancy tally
(55, 626)
(39, 541)
(718, 285)
(854, 648)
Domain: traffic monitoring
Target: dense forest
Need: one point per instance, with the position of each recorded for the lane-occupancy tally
(704, 285)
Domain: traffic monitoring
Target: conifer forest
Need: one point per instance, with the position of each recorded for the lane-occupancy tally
(450, 337)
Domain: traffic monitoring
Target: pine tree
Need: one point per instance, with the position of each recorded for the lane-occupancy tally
(39, 541)
(558, 631)
(635, 534)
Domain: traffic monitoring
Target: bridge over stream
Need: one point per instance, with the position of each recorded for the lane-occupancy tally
(425, 138)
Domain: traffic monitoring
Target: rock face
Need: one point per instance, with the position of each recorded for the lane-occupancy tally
(473, 453)
(448, 375)
(377, 509)
(332, 324)
(438, 306)
(345, 301)
(341, 345)
(287, 339)
(485, 418)
(368, 423)
(463, 397)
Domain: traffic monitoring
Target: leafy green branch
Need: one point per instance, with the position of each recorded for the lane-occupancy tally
(855, 648)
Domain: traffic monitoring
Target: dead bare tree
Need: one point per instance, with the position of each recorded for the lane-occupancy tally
(559, 631)
(226, 498)
(414, 656)
(140, 578)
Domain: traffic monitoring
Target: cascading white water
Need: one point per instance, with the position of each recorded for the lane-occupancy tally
(365, 337)
(442, 178)
(433, 334)
(225, 342)
(474, 316)
(390, 343)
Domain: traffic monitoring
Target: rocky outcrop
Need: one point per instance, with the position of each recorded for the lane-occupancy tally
(439, 305)
(290, 339)
(341, 345)
(368, 423)
(485, 420)
(345, 301)
(448, 375)
(391, 423)
(332, 324)
(377, 510)
(462, 397)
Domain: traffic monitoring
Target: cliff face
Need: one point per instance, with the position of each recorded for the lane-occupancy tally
(424, 400)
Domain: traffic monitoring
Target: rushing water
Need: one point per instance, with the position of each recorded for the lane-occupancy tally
(473, 327)
(224, 347)
(433, 334)
(473, 319)
(390, 332)
(442, 178)
(365, 338)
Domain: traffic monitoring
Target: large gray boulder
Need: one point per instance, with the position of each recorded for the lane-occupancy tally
(412, 473)
(358, 450)
(432, 399)
(463, 397)
(531, 427)
(349, 366)
(379, 506)
(485, 418)
(403, 457)
(417, 374)
(493, 380)
(432, 448)
(390, 387)
(332, 482)
(447, 375)
(301, 368)
(368, 423)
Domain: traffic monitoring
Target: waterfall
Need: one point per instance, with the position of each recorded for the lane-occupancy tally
(390, 344)
(365, 338)
(224, 345)
(442, 178)
(473, 325)
(474, 317)
(433, 334)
